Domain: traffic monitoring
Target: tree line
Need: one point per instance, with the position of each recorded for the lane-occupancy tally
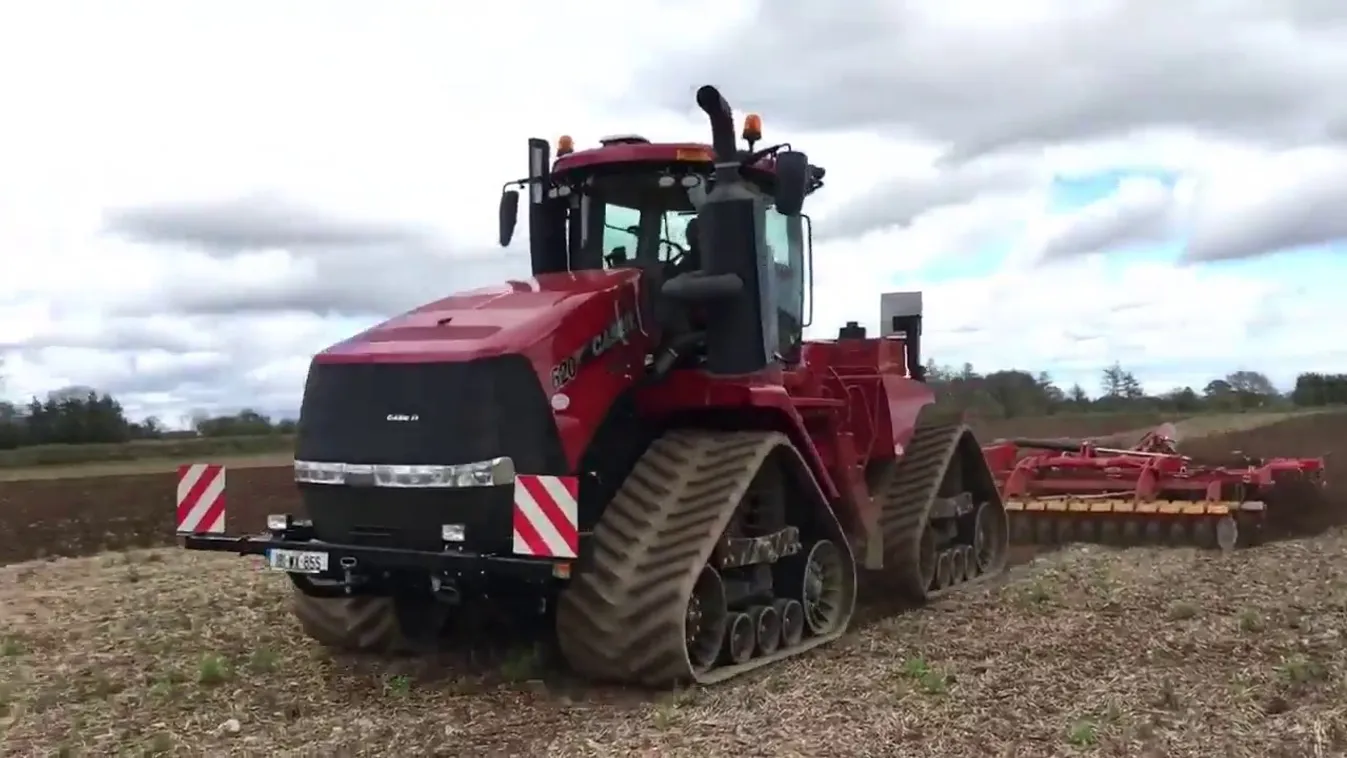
(1016, 394)
(80, 415)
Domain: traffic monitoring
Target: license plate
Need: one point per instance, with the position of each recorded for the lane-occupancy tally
(297, 561)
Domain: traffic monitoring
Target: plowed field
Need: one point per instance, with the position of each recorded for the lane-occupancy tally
(1085, 651)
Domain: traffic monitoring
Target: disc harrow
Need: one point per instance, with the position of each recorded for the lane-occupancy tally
(1060, 491)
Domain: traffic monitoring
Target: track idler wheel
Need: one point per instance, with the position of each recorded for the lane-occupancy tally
(990, 539)
(824, 588)
(791, 613)
(740, 638)
(707, 620)
(767, 628)
(927, 559)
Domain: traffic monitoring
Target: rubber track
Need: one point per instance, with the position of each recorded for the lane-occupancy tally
(907, 493)
(358, 624)
(621, 619)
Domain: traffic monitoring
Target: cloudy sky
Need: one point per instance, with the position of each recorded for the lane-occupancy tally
(196, 196)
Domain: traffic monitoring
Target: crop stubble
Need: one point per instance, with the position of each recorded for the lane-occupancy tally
(1083, 651)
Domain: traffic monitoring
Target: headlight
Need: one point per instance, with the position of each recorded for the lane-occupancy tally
(479, 474)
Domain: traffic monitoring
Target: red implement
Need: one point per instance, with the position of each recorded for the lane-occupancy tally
(1059, 491)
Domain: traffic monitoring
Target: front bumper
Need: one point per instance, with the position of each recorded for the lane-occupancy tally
(365, 564)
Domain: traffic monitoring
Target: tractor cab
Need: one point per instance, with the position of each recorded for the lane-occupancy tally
(631, 203)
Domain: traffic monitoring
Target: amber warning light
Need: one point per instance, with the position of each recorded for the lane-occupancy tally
(565, 145)
(752, 127)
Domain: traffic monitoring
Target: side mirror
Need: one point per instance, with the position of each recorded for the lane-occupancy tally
(792, 181)
(509, 215)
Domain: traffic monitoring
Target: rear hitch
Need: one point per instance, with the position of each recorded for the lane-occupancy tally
(446, 591)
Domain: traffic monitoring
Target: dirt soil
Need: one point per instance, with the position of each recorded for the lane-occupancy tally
(1087, 651)
(88, 515)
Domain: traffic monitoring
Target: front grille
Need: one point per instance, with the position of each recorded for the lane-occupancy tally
(463, 413)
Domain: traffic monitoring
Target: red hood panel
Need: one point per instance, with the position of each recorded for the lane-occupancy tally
(481, 323)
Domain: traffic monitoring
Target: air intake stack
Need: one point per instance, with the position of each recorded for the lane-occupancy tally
(900, 316)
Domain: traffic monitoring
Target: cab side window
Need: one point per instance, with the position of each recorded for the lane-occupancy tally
(785, 241)
(620, 230)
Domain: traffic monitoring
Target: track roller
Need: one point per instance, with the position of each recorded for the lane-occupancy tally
(792, 621)
(740, 638)
(944, 570)
(959, 563)
(767, 628)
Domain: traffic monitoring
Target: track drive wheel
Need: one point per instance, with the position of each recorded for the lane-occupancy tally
(824, 594)
(707, 620)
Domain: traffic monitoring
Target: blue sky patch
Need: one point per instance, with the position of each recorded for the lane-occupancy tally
(1070, 193)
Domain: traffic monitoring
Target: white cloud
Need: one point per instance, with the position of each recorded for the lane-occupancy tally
(361, 147)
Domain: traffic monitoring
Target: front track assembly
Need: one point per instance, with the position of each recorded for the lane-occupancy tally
(705, 565)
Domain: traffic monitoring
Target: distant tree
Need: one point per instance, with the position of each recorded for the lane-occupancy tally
(1129, 387)
(1077, 396)
(1112, 381)
(1183, 399)
(1314, 389)
(244, 423)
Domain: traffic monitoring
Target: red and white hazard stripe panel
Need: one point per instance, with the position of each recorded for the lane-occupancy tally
(201, 498)
(546, 516)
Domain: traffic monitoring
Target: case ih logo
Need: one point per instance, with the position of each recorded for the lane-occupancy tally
(614, 334)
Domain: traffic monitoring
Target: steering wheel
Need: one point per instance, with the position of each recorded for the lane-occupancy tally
(674, 260)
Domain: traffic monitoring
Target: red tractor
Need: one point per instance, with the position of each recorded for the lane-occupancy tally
(636, 441)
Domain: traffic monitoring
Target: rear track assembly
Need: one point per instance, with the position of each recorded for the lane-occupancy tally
(943, 522)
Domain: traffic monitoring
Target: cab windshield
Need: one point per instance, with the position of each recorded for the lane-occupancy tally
(641, 218)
